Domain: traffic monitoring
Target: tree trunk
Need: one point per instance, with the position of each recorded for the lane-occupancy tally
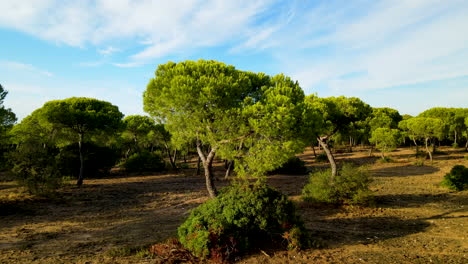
(455, 142)
(428, 151)
(230, 164)
(371, 150)
(313, 149)
(331, 159)
(466, 145)
(350, 144)
(198, 166)
(80, 176)
(417, 147)
(171, 160)
(208, 167)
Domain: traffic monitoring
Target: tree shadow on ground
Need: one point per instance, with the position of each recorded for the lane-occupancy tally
(103, 197)
(418, 200)
(364, 230)
(403, 171)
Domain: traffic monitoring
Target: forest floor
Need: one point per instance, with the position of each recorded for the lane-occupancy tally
(107, 220)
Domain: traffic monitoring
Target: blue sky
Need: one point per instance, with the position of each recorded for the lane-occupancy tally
(409, 55)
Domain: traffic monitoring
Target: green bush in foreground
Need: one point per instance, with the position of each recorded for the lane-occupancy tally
(351, 185)
(240, 217)
(457, 178)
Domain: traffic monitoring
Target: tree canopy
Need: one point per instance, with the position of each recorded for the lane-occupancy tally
(255, 119)
(76, 117)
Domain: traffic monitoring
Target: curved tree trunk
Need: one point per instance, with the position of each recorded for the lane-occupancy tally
(427, 149)
(80, 176)
(230, 164)
(331, 159)
(417, 147)
(208, 167)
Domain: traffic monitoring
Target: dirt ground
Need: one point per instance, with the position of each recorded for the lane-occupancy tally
(414, 220)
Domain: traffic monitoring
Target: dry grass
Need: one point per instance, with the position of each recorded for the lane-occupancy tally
(415, 220)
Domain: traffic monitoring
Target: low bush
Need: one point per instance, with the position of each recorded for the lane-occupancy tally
(351, 185)
(35, 168)
(144, 161)
(419, 162)
(242, 216)
(294, 166)
(457, 178)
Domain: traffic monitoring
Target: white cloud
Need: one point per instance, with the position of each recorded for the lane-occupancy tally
(18, 66)
(396, 43)
(166, 26)
(108, 51)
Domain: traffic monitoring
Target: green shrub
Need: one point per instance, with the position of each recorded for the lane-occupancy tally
(457, 178)
(98, 160)
(322, 157)
(294, 166)
(419, 162)
(239, 218)
(351, 185)
(144, 161)
(35, 168)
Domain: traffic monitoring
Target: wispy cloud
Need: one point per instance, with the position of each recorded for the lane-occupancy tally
(108, 51)
(18, 66)
(165, 26)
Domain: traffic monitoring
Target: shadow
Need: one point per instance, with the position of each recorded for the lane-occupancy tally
(6, 186)
(418, 200)
(104, 197)
(403, 171)
(364, 230)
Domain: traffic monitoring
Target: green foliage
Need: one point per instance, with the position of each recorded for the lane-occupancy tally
(294, 166)
(457, 178)
(419, 162)
(351, 185)
(240, 217)
(98, 159)
(35, 168)
(385, 139)
(384, 118)
(144, 162)
(256, 120)
(7, 117)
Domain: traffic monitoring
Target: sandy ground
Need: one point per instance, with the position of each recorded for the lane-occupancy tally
(414, 221)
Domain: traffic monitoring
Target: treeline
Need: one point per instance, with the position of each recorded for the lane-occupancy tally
(253, 121)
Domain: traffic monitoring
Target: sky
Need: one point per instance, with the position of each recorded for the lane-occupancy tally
(409, 55)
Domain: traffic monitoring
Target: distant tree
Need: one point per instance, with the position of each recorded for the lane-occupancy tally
(385, 139)
(339, 113)
(33, 160)
(257, 120)
(427, 129)
(452, 117)
(137, 129)
(78, 117)
(7, 120)
(384, 118)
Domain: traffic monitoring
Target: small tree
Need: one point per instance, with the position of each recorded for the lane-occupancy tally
(339, 113)
(427, 129)
(385, 139)
(78, 117)
(254, 119)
